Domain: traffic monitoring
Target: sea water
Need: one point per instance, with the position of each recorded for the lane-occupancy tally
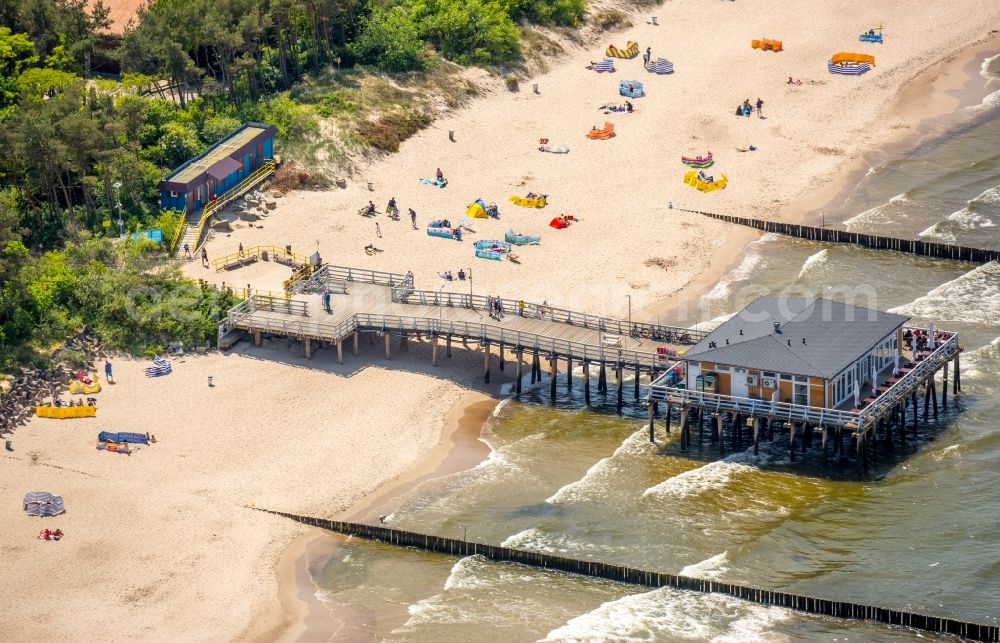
(922, 532)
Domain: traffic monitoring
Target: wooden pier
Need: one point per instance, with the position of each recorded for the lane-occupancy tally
(917, 247)
(631, 575)
(386, 304)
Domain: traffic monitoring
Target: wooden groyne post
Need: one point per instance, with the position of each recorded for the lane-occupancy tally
(874, 242)
(631, 575)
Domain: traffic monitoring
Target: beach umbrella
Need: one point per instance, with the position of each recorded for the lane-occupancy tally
(895, 362)
(930, 337)
(857, 394)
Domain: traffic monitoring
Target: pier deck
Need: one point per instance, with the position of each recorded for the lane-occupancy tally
(385, 303)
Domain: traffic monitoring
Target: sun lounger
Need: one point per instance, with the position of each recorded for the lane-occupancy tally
(555, 149)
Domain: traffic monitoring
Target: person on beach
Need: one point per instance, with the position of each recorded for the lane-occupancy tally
(440, 175)
(760, 107)
(187, 251)
(646, 57)
(461, 274)
(378, 230)
(107, 371)
(204, 257)
(413, 218)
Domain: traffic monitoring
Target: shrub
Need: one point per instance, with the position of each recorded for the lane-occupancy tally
(291, 176)
(388, 131)
(608, 19)
(389, 41)
(511, 83)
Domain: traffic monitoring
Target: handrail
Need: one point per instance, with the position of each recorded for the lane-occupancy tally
(229, 195)
(257, 251)
(181, 225)
(909, 381)
(657, 332)
(362, 275)
(280, 304)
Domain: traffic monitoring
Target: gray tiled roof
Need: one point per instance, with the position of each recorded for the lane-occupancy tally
(836, 335)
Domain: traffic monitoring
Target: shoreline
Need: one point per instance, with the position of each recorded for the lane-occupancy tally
(460, 449)
(950, 84)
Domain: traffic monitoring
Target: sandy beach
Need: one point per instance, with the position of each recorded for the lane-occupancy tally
(160, 544)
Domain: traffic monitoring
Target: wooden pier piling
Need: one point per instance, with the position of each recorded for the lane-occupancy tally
(586, 381)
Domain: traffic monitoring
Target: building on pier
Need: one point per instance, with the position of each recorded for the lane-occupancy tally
(796, 350)
(811, 367)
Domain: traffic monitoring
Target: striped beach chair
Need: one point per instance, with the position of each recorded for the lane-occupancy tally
(605, 65)
(631, 50)
(847, 69)
(661, 66)
(160, 367)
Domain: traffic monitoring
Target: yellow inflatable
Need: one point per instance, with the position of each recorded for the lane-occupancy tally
(62, 412)
(528, 202)
(691, 178)
(76, 387)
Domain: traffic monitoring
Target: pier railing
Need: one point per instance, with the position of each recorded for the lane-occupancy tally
(360, 275)
(661, 390)
(242, 317)
(906, 384)
(715, 403)
(637, 330)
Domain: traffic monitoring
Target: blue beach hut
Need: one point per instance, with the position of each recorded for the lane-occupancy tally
(219, 168)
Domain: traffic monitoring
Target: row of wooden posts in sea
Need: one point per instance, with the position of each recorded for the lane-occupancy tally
(646, 578)
(917, 247)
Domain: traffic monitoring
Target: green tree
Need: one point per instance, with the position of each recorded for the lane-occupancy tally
(472, 32)
(389, 41)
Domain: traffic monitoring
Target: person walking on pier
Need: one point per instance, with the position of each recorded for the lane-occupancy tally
(520, 307)
(326, 300)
